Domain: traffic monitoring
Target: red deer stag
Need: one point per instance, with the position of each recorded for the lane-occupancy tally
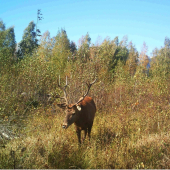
(81, 113)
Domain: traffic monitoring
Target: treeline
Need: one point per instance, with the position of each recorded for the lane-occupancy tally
(131, 126)
(62, 49)
(33, 65)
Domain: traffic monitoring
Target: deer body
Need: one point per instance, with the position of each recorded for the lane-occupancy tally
(86, 118)
(81, 114)
(87, 113)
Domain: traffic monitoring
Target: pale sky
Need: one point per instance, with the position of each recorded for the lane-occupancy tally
(140, 20)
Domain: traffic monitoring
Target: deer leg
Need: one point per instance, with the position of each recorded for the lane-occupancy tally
(89, 130)
(85, 133)
(79, 135)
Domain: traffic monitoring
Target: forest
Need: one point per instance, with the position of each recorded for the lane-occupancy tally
(132, 122)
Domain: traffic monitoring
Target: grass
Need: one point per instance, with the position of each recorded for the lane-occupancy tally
(131, 126)
(120, 139)
(132, 122)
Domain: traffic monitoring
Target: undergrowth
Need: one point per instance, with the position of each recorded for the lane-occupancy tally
(130, 130)
(126, 135)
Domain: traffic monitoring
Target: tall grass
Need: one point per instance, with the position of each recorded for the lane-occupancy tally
(130, 130)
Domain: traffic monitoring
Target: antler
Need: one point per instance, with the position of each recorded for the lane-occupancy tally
(64, 89)
(89, 86)
(65, 94)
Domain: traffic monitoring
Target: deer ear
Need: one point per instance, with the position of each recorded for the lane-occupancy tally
(78, 108)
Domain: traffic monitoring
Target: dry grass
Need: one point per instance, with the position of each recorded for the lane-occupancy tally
(119, 140)
(131, 127)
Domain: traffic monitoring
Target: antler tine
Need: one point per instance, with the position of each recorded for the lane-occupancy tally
(89, 85)
(65, 94)
(64, 89)
(93, 81)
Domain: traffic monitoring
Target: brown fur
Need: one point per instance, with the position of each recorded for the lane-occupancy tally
(82, 119)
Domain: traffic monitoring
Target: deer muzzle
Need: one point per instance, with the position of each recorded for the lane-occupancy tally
(64, 126)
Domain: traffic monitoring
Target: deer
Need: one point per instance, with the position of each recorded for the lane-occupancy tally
(81, 113)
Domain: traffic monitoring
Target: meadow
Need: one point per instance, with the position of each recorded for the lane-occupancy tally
(130, 130)
(132, 122)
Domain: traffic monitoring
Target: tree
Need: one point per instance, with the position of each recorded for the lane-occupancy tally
(39, 18)
(160, 64)
(108, 48)
(46, 46)
(61, 49)
(62, 43)
(111, 51)
(7, 44)
(10, 42)
(2, 35)
(84, 47)
(29, 41)
(120, 54)
(73, 49)
(143, 57)
(167, 47)
(131, 62)
(116, 41)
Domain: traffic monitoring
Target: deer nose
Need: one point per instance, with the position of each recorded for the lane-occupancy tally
(64, 126)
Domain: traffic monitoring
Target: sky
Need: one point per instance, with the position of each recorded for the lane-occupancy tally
(140, 20)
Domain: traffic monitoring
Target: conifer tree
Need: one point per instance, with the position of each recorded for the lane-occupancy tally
(7, 44)
(160, 63)
(73, 49)
(29, 41)
(120, 54)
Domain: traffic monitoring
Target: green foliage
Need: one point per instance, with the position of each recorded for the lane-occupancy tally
(131, 127)
(7, 45)
(121, 54)
(61, 50)
(111, 52)
(29, 42)
(62, 43)
(73, 49)
(132, 60)
(44, 50)
(160, 63)
(84, 48)
(167, 47)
